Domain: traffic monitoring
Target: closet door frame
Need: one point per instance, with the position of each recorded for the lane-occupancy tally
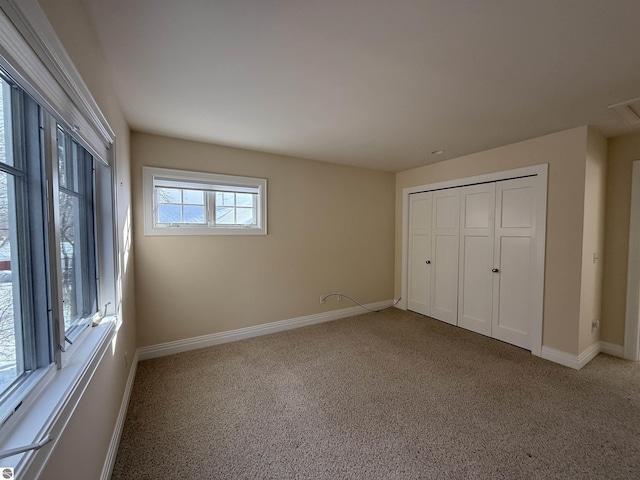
(540, 172)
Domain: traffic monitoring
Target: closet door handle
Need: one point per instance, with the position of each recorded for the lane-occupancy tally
(428, 262)
(495, 270)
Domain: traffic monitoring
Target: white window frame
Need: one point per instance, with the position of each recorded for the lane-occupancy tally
(210, 183)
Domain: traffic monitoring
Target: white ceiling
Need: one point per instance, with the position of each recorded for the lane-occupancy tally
(372, 83)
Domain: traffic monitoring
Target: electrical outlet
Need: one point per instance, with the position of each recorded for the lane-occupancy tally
(322, 299)
(339, 297)
(595, 324)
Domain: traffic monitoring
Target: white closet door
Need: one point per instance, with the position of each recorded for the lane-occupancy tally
(514, 250)
(475, 284)
(420, 253)
(444, 268)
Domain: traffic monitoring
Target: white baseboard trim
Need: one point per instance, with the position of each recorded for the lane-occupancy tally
(579, 361)
(203, 341)
(110, 461)
(612, 349)
(568, 360)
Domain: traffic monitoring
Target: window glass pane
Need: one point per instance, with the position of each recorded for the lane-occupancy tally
(6, 135)
(169, 213)
(70, 254)
(69, 155)
(244, 216)
(225, 215)
(226, 199)
(62, 159)
(194, 197)
(73, 165)
(244, 199)
(193, 214)
(169, 195)
(11, 341)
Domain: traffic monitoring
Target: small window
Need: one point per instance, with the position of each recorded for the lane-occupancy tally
(192, 203)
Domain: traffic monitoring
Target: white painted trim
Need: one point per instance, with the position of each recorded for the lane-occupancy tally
(632, 316)
(568, 360)
(541, 171)
(588, 354)
(110, 461)
(537, 285)
(203, 341)
(612, 349)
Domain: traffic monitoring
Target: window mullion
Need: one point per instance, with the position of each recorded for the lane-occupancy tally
(92, 226)
(212, 208)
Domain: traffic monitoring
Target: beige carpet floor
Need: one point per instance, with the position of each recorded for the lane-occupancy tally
(390, 395)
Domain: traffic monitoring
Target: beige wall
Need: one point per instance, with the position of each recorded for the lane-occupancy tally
(82, 449)
(623, 151)
(593, 237)
(565, 153)
(330, 230)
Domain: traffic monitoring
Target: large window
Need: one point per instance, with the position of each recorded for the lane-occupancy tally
(194, 203)
(48, 250)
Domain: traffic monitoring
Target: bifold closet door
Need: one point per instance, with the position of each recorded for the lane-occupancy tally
(475, 285)
(420, 206)
(444, 268)
(513, 259)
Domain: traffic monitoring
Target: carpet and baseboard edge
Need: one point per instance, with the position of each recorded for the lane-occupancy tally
(203, 341)
(578, 361)
(110, 461)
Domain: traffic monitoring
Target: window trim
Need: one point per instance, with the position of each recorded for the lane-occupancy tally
(210, 182)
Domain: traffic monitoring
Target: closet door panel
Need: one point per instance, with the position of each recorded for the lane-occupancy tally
(514, 304)
(475, 289)
(513, 257)
(420, 209)
(445, 242)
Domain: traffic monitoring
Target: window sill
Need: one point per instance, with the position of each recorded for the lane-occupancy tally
(50, 404)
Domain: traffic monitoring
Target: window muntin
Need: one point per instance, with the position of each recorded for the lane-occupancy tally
(192, 203)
